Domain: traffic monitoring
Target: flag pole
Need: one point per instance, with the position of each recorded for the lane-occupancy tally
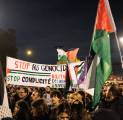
(93, 29)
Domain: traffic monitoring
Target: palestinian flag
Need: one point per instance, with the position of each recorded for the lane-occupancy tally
(78, 72)
(66, 57)
(62, 56)
(101, 66)
(83, 73)
(72, 55)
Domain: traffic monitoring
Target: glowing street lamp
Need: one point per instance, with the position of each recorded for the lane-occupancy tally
(28, 52)
(121, 40)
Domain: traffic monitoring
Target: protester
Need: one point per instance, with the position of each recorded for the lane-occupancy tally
(64, 111)
(13, 96)
(21, 111)
(47, 95)
(116, 100)
(70, 97)
(76, 107)
(39, 110)
(36, 94)
(56, 99)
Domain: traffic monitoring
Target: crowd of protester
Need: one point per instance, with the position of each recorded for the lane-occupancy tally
(33, 103)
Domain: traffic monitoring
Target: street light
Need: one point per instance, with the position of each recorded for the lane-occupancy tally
(121, 40)
(29, 52)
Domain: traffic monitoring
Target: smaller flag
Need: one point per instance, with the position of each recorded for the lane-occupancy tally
(78, 72)
(78, 68)
(62, 56)
(67, 57)
(83, 73)
(72, 55)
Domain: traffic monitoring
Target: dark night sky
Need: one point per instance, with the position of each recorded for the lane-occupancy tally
(43, 24)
